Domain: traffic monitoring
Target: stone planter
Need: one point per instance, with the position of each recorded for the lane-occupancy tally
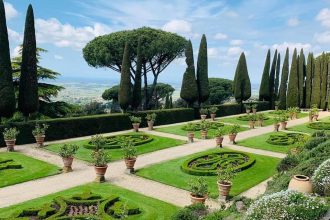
(276, 127)
(100, 171)
(136, 127)
(195, 199)
(251, 124)
(40, 140)
(301, 183)
(203, 134)
(283, 125)
(224, 189)
(130, 164)
(254, 110)
(311, 117)
(248, 111)
(316, 117)
(203, 117)
(213, 115)
(232, 138)
(261, 123)
(191, 136)
(150, 125)
(67, 161)
(219, 140)
(10, 144)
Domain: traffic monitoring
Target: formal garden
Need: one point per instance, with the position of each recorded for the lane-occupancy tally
(217, 152)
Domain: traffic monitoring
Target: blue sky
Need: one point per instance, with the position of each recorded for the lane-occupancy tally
(64, 26)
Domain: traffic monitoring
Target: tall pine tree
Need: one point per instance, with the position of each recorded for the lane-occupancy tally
(272, 96)
(28, 99)
(293, 92)
(309, 77)
(264, 86)
(136, 100)
(277, 75)
(202, 72)
(301, 76)
(125, 90)
(7, 94)
(242, 84)
(284, 81)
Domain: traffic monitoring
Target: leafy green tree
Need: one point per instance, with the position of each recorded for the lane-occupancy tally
(293, 92)
(324, 78)
(264, 86)
(272, 96)
(161, 91)
(125, 90)
(159, 48)
(284, 81)
(202, 72)
(111, 94)
(277, 75)
(28, 99)
(171, 102)
(301, 77)
(220, 90)
(316, 88)
(7, 94)
(309, 77)
(242, 84)
(136, 101)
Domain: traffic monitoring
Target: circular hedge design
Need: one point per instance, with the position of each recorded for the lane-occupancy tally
(208, 164)
(114, 142)
(319, 125)
(213, 125)
(247, 118)
(286, 138)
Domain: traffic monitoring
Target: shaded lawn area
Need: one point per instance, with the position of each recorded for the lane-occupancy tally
(170, 173)
(32, 169)
(303, 127)
(150, 208)
(177, 129)
(157, 143)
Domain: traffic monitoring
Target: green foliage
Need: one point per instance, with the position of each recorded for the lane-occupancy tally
(234, 129)
(319, 125)
(282, 96)
(98, 142)
(6, 164)
(205, 125)
(100, 158)
(40, 130)
(28, 99)
(301, 78)
(220, 90)
(7, 95)
(111, 94)
(249, 117)
(10, 133)
(309, 79)
(167, 102)
(316, 88)
(151, 117)
(197, 126)
(293, 91)
(125, 90)
(192, 212)
(324, 78)
(135, 119)
(321, 179)
(189, 89)
(226, 175)
(287, 163)
(204, 111)
(264, 86)
(272, 95)
(242, 84)
(287, 138)
(137, 98)
(220, 132)
(68, 150)
(129, 149)
(198, 187)
(213, 110)
(277, 75)
(202, 72)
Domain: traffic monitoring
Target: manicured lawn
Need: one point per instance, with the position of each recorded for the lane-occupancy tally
(305, 129)
(235, 120)
(170, 173)
(260, 142)
(157, 143)
(31, 169)
(150, 208)
(177, 129)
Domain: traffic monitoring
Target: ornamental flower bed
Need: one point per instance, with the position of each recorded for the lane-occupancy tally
(321, 179)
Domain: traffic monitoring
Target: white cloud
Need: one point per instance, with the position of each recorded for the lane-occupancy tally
(178, 26)
(11, 12)
(236, 42)
(58, 57)
(324, 17)
(15, 52)
(66, 35)
(14, 36)
(282, 47)
(220, 36)
(234, 51)
(323, 38)
(212, 52)
(292, 22)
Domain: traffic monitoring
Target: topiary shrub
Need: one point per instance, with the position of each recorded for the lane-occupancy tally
(321, 179)
(319, 125)
(248, 118)
(287, 205)
(314, 142)
(6, 164)
(287, 163)
(286, 138)
(198, 126)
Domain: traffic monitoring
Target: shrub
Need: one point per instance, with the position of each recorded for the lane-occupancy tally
(203, 111)
(197, 126)
(135, 119)
(319, 125)
(321, 179)
(129, 151)
(287, 163)
(98, 141)
(287, 205)
(286, 138)
(151, 117)
(100, 158)
(314, 142)
(234, 129)
(198, 187)
(192, 212)
(226, 175)
(68, 150)
(213, 110)
(10, 133)
(40, 130)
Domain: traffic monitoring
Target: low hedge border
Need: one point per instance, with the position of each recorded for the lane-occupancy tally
(247, 118)
(286, 138)
(319, 125)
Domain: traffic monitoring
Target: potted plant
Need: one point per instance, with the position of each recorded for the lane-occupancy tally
(98, 141)
(135, 122)
(261, 117)
(198, 190)
(252, 120)
(276, 123)
(151, 118)
(296, 110)
(225, 176)
(284, 121)
(234, 129)
(315, 112)
(254, 108)
(203, 112)
(10, 134)
(213, 111)
(311, 115)
(129, 152)
(219, 133)
(100, 161)
(276, 105)
(67, 151)
(204, 128)
(191, 132)
(39, 132)
(247, 108)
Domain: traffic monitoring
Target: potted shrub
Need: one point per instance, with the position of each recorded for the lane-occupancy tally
(276, 105)
(315, 112)
(219, 133)
(191, 132)
(39, 133)
(225, 177)
(98, 141)
(198, 190)
(135, 122)
(151, 120)
(204, 128)
(10, 134)
(213, 112)
(252, 120)
(254, 108)
(284, 121)
(247, 108)
(67, 151)
(261, 117)
(100, 161)
(311, 115)
(276, 123)
(234, 129)
(129, 153)
(296, 110)
(203, 112)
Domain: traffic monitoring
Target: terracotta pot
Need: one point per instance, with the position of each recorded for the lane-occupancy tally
(301, 183)
(224, 188)
(130, 163)
(254, 110)
(150, 125)
(195, 199)
(294, 116)
(67, 161)
(316, 117)
(203, 117)
(40, 140)
(283, 125)
(136, 127)
(100, 171)
(251, 124)
(311, 117)
(248, 111)
(261, 123)
(191, 136)
(218, 141)
(10, 144)
(276, 127)
(213, 115)
(204, 134)
(232, 138)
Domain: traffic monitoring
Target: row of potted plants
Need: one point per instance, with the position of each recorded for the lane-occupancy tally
(249, 107)
(256, 119)
(205, 111)
(136, 121)
(313, 113)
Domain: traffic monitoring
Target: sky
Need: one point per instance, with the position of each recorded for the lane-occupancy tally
(63, 27)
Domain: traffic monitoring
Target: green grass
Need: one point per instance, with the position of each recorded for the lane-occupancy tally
(157, 143)
(151, 208)
(170, 173)
(177, 129)
(32, 169)
(303, 128)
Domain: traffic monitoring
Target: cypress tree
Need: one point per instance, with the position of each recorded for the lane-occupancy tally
(202, 72)
(136, 100)
(293, 92)
(324, 76)
(171, 102)
(284, 81)
(189, 90)
(264, 86)
(28, 100)
(301, 76)
(277, 77)
(167, 102)
(242, 84)
(7, 94)
(309, 77)
(125, 93)
(272, 96)
(316, 88)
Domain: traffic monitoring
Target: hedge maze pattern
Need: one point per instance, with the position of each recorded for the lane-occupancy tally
(197, 126)
(319, 125)
(114, 142)
(248, 118)
(208, 164)
(6, 164)
(286, 138)
(83, 206)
